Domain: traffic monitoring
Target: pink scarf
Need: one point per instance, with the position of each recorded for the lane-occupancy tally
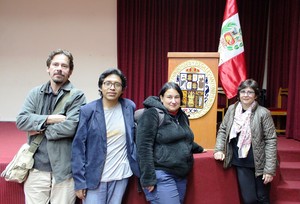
(241, 124)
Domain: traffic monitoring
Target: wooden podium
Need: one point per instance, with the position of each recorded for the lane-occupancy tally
(197, 75)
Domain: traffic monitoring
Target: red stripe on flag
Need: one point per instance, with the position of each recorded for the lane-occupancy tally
(230, 9)
(232, 69)
(232, 73)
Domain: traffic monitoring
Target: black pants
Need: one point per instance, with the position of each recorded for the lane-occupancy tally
(253, 190)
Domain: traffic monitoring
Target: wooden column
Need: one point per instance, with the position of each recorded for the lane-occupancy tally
(197, 75)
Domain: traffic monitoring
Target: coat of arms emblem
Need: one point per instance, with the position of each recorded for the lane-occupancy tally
(198, 85)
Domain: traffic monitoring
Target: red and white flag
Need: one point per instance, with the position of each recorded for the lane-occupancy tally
(232, 65)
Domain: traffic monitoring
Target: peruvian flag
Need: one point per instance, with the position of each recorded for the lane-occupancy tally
(232, 66)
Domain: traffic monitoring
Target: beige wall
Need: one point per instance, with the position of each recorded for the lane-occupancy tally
(30, 29)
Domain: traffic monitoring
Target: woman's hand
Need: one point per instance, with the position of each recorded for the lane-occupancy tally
(267, 178)
(219, 156)
(81, 194)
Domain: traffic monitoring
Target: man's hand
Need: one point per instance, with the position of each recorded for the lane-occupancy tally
(32, 133)
(150, 188)
(81, 194)
(52, 119)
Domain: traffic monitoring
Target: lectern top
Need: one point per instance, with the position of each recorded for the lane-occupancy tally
(194, 54)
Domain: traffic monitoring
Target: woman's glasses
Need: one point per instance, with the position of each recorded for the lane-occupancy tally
(248, 93)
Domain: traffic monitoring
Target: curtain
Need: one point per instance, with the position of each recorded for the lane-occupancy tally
(293, 119)
(284, 60)
(279, 49)
(254, 25)
(148, 30)
(143, 34)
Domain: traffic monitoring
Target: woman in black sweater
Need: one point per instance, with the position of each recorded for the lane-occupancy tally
(165, 150)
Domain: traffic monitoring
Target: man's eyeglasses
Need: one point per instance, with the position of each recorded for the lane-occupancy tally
(108, 84)
(248, 93)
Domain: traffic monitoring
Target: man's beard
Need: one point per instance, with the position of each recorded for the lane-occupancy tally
(58, 78)
(58, 81)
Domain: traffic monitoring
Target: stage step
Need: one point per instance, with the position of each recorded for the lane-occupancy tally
(290, 171)
(291, 155)
(285, 202)
(289, 191)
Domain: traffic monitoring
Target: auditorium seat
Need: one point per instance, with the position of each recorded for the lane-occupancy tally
(279, 113)
(222, 103)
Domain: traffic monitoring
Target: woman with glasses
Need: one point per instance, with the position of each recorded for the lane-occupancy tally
(103, 152)
(247, 140)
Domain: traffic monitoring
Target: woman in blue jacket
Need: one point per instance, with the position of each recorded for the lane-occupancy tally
(103, 152)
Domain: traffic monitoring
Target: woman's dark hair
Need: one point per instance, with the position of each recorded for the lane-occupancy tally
(111, 71)
(60, 52)
(171, 85)
(251, 84)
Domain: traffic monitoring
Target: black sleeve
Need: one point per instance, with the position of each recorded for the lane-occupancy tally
(197, 148)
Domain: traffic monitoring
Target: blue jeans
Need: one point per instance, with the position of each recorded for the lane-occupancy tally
(107, 193)
(169, 189)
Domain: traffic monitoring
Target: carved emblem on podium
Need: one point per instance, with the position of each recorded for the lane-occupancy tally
(198, 85)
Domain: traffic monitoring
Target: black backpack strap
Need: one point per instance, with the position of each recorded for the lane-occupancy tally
(161, 116)
(138, 114)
